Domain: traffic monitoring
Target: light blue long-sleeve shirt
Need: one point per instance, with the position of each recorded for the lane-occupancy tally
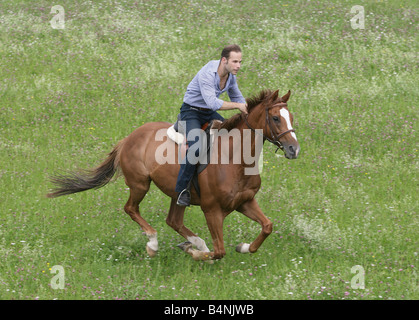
(204, 89)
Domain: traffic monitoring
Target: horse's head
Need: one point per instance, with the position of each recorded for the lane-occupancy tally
(276, 121)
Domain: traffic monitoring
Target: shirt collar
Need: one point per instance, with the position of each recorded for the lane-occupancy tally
(214, 65)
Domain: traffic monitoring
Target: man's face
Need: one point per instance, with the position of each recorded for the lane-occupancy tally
(234, 62)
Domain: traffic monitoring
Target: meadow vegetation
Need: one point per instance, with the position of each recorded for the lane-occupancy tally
(68, 96)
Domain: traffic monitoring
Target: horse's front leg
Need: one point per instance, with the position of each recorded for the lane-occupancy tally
(215, 220)
(252, 210)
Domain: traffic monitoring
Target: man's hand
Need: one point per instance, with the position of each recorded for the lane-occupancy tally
(242, 107)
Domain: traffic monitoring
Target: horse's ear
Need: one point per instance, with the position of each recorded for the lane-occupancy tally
(287, 96)
(274, 96)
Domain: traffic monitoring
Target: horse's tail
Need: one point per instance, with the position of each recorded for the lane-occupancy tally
(73, 182)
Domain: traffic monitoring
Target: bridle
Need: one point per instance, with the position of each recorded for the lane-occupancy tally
(274, 137)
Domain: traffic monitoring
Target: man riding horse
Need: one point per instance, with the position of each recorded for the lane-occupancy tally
(201, 102)
(224, 187)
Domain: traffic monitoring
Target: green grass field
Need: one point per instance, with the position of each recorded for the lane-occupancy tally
(67, 96)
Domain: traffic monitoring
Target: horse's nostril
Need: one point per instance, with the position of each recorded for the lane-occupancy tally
(291, 148)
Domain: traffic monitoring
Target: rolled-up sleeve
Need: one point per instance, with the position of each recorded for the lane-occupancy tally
(206, 84)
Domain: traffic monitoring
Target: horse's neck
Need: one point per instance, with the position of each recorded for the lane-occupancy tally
(245, 149)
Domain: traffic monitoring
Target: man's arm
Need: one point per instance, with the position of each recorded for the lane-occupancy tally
(208, 93)
(234, 92)
(227, 105)
(236, 98)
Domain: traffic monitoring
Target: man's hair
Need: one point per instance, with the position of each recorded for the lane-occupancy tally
(226, 51)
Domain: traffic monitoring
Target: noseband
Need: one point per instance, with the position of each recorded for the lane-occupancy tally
(274, 137)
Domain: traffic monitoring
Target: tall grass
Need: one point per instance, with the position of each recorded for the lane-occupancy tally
(67, 96)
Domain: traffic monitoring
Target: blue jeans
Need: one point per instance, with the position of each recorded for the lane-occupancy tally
(194, 119)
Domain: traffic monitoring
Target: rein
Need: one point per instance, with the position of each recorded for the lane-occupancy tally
(274, 137)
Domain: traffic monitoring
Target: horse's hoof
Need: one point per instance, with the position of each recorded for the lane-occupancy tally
(185, 246)
(200, 255)
(243, 248)
(152, 253)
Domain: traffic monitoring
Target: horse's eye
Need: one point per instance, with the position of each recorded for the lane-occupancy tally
(275, 118)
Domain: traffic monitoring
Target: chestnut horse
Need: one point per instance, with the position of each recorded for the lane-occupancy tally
(223, 187)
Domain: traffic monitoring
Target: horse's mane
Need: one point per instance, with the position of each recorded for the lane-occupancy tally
(252, 102)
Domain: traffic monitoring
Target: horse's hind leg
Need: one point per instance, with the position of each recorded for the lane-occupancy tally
(137, 194)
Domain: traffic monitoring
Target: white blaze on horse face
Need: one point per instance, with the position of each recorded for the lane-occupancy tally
(286, 115)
